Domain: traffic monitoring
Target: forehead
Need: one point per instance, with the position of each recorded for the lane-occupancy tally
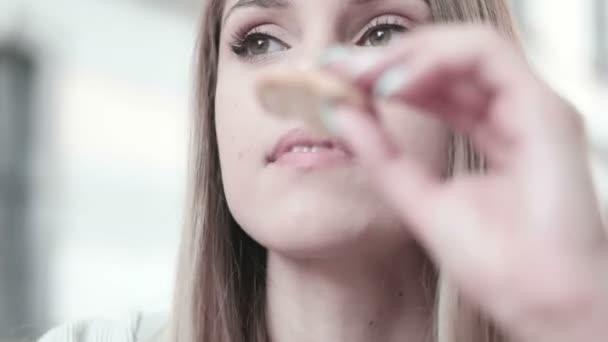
(418, 9)
(422, 5)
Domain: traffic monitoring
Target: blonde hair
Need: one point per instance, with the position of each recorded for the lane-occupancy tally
(220, 286)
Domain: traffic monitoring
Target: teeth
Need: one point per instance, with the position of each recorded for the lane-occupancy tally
(305, 149)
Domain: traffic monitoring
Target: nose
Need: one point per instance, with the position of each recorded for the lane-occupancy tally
(315, 40)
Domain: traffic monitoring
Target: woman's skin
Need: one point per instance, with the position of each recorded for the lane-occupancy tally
(343, 224)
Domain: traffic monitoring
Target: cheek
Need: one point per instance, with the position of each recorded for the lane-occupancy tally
(243, 134)
(237, 119)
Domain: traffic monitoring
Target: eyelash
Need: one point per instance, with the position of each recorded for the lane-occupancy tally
(239, 40)
(383, 22)
(238, 44)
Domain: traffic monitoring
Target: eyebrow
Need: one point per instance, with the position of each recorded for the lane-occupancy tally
(363, 2)
(278, 4)
(257, 3)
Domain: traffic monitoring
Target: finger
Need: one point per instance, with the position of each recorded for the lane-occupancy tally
(406, 182)
(444, 225)
(467, 76)
(462, 47)
(423, 84)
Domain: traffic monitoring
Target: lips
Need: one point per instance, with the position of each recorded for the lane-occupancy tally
(299, 148)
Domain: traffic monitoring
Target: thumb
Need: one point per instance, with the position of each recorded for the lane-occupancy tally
(405, 183)
(439, 220)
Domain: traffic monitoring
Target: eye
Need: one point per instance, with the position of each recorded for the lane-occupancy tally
(257, 44)
(382, 31)
(381, 35)
(260, 43)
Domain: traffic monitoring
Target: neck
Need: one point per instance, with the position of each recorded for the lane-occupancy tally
(356, 299)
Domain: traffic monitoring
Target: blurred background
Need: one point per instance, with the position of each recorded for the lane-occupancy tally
(94, 107)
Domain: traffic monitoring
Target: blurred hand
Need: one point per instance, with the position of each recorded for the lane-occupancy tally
(523, 240)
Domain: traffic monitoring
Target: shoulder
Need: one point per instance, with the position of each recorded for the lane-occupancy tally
(136, 327)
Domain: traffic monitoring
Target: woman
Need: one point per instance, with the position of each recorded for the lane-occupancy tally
(390, 232)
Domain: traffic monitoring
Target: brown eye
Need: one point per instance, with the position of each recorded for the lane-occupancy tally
(257, 44)
(381, 35)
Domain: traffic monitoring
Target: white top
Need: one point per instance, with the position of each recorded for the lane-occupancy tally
(136, 328)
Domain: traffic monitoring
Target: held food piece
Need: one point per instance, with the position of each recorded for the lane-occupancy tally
(304, 95)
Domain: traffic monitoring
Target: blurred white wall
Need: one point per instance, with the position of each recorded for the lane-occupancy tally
(111, 137)
(119, 74)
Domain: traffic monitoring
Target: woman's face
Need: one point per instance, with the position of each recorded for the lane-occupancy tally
(296, 192)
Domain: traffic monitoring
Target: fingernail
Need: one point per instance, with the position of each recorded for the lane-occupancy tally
(355, 62)
(333, 55)
(361, 62)
(328, 118)
(391, 81)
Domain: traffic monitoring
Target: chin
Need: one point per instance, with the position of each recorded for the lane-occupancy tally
(324, 214)
(320, 230)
